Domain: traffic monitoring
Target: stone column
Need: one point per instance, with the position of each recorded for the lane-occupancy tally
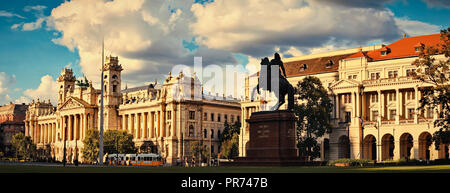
(358, 104)
(337, 105)
(396, 147)
(380, 105)
(41, 128)
(146, 125)
(77, 126)
(158, 132)
(26, 128)
(54, 132)
(416, 105)
(163, 123)
(364, 106)
(70, 128)
(174, 122)
(397, 102)
(138, 124)
(152, 124)
(133, 122)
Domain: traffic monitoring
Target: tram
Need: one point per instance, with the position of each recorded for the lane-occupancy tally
(149, 159)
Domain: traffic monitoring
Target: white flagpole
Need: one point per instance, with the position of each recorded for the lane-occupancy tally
(100, 151)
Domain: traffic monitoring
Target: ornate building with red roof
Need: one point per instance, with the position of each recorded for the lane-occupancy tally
(375, 101)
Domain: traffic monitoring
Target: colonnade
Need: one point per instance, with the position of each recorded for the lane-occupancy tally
(145, 125)
(41, 132)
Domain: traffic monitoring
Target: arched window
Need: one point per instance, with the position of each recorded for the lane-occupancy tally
(205, 133)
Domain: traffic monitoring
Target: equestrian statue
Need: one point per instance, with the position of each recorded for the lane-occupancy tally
(267, 78)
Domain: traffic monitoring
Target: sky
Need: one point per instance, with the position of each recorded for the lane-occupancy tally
(39, 38)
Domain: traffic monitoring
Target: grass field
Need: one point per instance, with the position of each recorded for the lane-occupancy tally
(317, 169)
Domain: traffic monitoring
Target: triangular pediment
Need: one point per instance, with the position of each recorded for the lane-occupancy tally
(344, 84)
(73, 103)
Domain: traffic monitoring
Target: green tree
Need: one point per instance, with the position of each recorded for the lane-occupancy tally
(437, 73)
(22, 146)
(313, 111)
(229, 140)
(229, 130)
(230, 147)
(91, 146)
(199, 151)
(115, 141)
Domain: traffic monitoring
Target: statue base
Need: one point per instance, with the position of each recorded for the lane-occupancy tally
(272, 141)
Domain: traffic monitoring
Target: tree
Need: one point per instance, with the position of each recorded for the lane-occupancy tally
(199, 151)
(91, 146)
(116, 141)
(314, 115)
(230, 148)
(437, 73)
(22, 146)
(229, 140)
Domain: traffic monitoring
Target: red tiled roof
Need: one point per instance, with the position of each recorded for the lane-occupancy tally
(405, 47)
(314, 65)
(358, 55)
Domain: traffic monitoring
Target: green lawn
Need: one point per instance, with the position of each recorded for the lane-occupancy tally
(319, 169)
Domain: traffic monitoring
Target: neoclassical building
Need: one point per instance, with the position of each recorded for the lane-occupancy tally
(375, 101)
(11, 123)
(163, 118)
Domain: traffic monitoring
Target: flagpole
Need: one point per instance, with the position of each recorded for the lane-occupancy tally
(100, 152)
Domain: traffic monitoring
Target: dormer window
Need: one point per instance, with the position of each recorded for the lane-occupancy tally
(384, 51)
(329, 63)
(419, 47)
(303, 67)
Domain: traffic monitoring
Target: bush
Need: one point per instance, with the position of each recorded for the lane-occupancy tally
(352, 162)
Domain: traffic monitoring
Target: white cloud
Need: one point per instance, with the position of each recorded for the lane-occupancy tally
(416, 28)
(34, 8)
(256, 27)
(47, 89)
(147, 35)
(6, 84)
(9, 14)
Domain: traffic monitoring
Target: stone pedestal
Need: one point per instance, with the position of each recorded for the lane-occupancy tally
(272, 140)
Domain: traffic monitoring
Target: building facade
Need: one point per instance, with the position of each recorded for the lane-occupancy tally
(375, 101)
(163, 118)
(11, 123)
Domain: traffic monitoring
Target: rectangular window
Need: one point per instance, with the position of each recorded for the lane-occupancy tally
(429, 112)
(410, 113)
(392, 114)
(192, 115)
(347, 116)
(212, 133)
(372, 76)
(169, 115)
(374, 115)
(226, 118)
(212, 116)
(218, 117)
(205, 117)
(349, 77)
(232, 118)
(354, 77)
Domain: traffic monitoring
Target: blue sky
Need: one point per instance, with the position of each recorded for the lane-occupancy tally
(28, 55)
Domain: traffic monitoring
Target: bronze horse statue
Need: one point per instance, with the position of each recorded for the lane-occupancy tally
(284, 87)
